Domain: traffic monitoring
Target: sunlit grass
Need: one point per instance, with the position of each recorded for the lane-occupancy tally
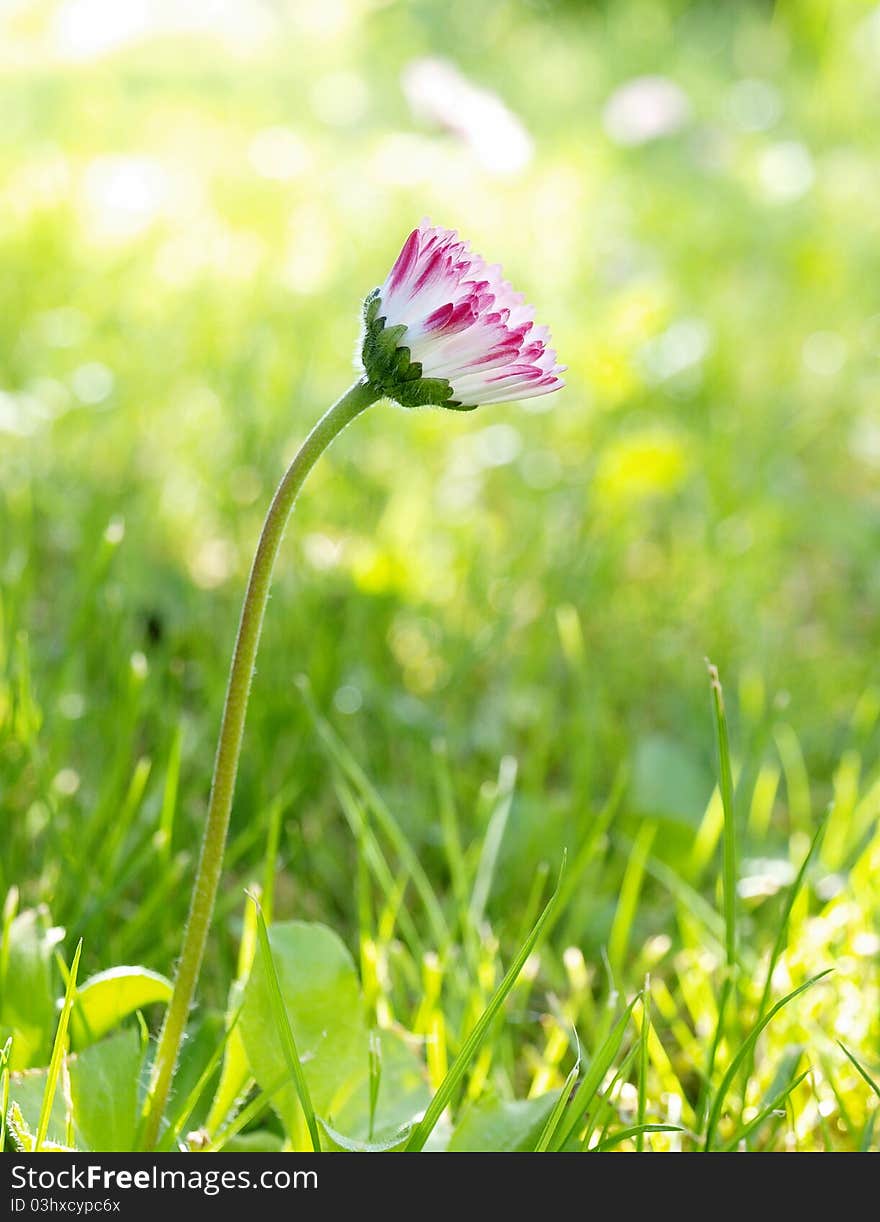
(502, 616)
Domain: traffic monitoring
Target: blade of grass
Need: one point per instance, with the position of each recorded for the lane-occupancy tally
(843, 1113)
(140, 930)
(5, 1056)
(644, 1031)
(107, 856)
(492, 841)
(725, 784)
(532, 905)
(860, 1069)
(621, 926)
(273, 839)
(242, 1119)
(552, 1124)
(781, 935)
(746, 1130)
(375, 1065)
(827, 1143)
(728, 878)
(712, 926)
(596, 1071)
(285, 1032)
(348, 765)
(763, 798)
(590, 845)
(449, 824)
(790, 899)
(706, 838)
(606, 1099)
(165, 834)
(708, 1071)
(235, 1071)
(797, 782)
(371, 851)
(747, 1044)
(58, 1052)
(471, 1045)
(638, 1131)
(10, 908)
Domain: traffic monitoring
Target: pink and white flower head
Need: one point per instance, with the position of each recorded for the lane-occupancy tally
(446, 328)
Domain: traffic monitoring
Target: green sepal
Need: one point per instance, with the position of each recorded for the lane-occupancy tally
(389, 365)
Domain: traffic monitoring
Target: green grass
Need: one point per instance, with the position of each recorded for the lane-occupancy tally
(501, 616)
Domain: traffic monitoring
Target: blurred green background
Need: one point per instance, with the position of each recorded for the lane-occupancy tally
(193, 202)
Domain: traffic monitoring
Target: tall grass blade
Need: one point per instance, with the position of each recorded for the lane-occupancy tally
(644, 1032)
(5, 1056)
(273, 839)
(628, 902)
(860, 1069)
(492, 841)
(725, 784)
(285, 1032)
(58, 1051)
(638, 1131)
(348, 765)
(746, 1130)
(605, 1110)
(596, 1071)
(474, 1041)
(553, 1120)
(744, 1050)
(781, 936)
(165, 835)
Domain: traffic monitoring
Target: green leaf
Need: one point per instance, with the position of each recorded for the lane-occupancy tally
(109, 997)
(104, 1088)
(27, 1010)
(503, 1126)
(104, 1085)
(321, 996)
(323, 1004)
(19, 1130)
(27, 1088)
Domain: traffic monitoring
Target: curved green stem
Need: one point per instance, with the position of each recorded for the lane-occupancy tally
(353, 402)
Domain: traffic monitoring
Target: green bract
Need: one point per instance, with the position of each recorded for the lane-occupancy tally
(390, 369)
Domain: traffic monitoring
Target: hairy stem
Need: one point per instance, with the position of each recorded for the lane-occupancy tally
(351, 404)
